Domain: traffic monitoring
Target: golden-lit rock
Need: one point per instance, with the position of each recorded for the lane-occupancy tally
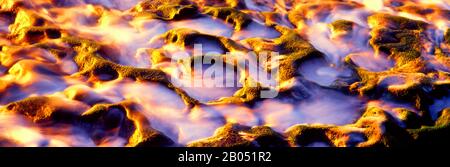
(230, 15)
(411, 119)
(30, 28)
(341, 27)
(127, 121)
(153, 5)
(436, 135)
(395, 22)
(99, 69)
(47, 109)
(304, 135)
(81, 73)
(235, 135)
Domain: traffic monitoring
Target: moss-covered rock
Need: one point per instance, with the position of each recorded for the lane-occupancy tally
(444, 119)
(295, 49)
(342, 26)
(30, 28)
(170, 12)
(437, 135)
(230, 15)
(414, 88)
(397, 36)
(222, 3)
(100, 121)
(185, 37)
(91, 64)
(375, 128)
(235, 135)
(395, 22)
(411, 119)
(305, 135)
(381, 129)
(402, 45)
(152, 5)
(129, 123)
(46, 110)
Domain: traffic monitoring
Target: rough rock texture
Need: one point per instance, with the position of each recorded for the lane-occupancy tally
(70, 72)
(235, 135)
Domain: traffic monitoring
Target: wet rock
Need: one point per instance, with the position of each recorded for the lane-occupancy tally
(188, 38)
(46, 110)
(397, 36)
(395, 22)
(13, 54)
(444, 119)
(159, 56)
(408, 117)
(165, 10)
(292, 46)
(126, 121)
(104, 117)
(305, 135)
(381, 129)
(230, 15)
(150, 138)
(414, 88)
(274, 18)
(171, 12)
(235, 135)
(97, 68)
(222, 3)
(84, 94)
(402, 45)
(296, 49)
(30, 28)
(341, 27)
(437, 135)
(154, 4)
(264, 136)
(375, 128)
